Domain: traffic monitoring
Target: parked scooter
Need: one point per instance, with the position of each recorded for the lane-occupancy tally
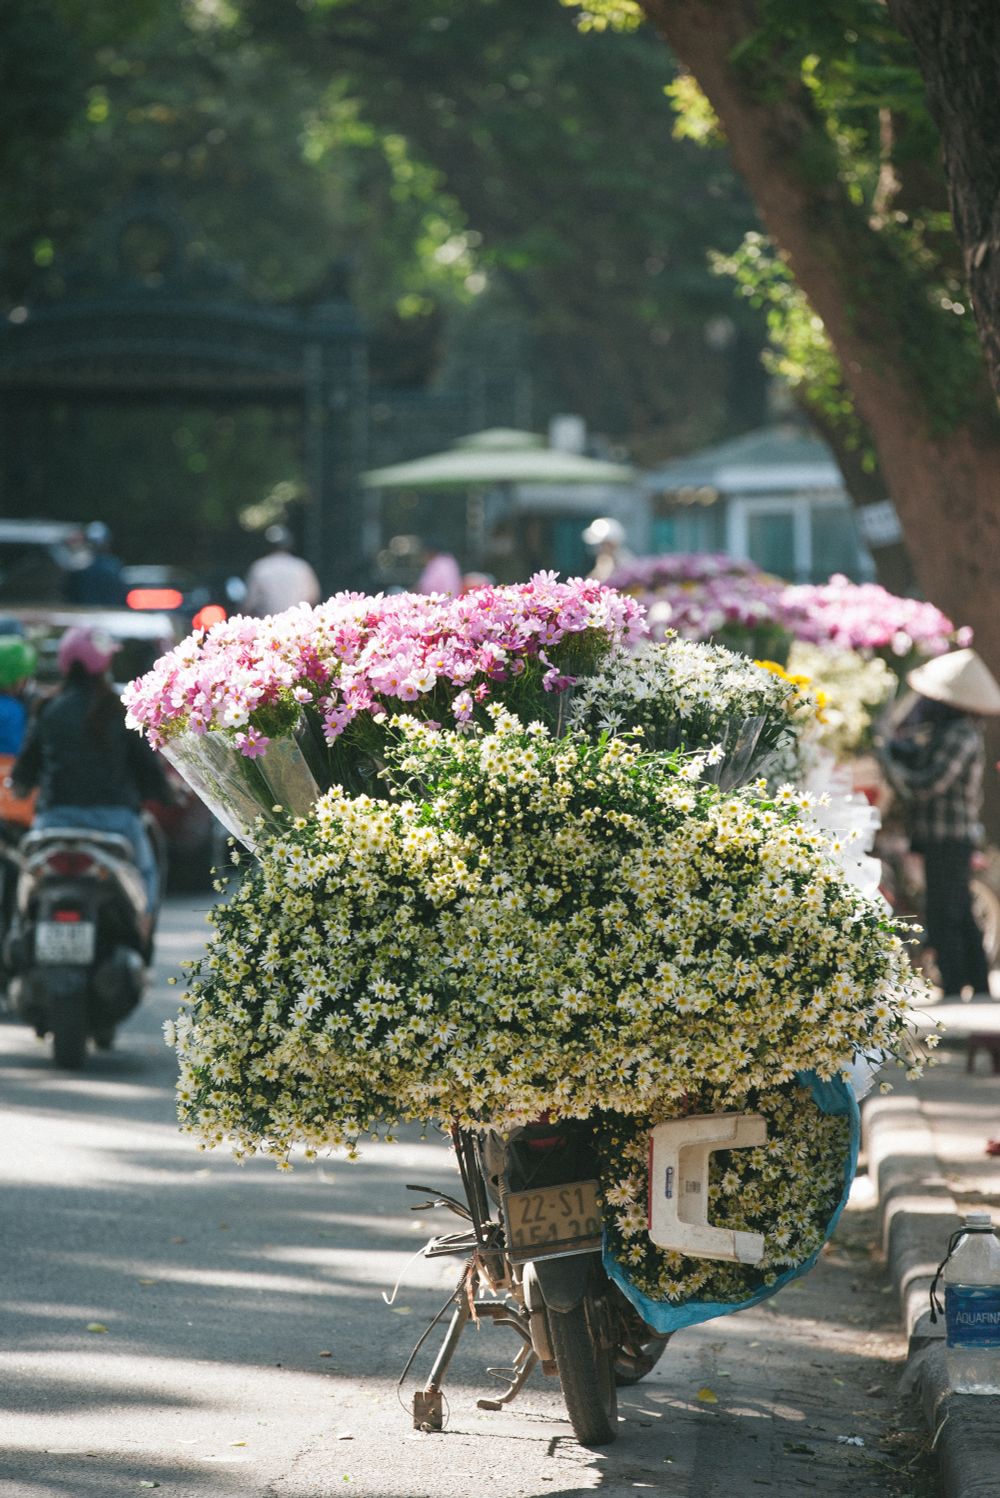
(81, 938)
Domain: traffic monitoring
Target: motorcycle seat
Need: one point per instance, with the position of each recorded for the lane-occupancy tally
(111, 843)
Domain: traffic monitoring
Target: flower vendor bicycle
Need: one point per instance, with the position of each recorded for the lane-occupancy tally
(533, 1245)
(539, 917)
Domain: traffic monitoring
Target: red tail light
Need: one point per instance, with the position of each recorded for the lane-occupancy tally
(543, 1142)
(66, 916)
(154, 598)
(212, 613)
(70, 864)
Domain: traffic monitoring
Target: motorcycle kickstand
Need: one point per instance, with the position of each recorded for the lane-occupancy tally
(516, 1376)
(505, 1313)
(428, 1402)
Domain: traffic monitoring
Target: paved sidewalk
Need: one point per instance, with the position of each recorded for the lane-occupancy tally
(925, 1147)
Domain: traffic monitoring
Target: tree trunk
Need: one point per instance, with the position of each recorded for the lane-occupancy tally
(945, 483)
(957, 43)
(893, 566)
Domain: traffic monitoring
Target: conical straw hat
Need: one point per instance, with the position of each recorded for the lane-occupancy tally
(960, 679)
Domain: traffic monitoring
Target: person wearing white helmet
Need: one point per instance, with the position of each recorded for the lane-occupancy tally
(606, 537)
(279, 580)
(935, 762)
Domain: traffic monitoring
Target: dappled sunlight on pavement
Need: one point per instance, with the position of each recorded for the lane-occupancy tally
(174, 1319)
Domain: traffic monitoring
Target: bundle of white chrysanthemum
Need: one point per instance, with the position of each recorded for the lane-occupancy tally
(683, 694)
(556, 924)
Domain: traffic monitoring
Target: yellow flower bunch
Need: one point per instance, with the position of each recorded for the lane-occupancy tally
(804, 703)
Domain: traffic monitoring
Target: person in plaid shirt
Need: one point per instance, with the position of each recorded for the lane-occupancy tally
(935, 764)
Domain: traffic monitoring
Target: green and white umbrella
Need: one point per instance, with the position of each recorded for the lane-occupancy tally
(498, 456)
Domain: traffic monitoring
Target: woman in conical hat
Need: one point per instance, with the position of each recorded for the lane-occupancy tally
(935, 763)
(959, 679)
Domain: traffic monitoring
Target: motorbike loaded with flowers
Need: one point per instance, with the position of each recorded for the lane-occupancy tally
(558, 890)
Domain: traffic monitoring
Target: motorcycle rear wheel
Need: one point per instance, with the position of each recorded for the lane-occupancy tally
(637, 1359)
(69, 1031)
(586, 1371)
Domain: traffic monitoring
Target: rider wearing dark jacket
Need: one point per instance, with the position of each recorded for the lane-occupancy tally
(90, 769)
(80, 753)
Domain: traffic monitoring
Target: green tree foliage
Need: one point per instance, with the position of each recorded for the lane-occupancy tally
(46, 47)
(486, 162)
(823, 108)
(236, 128)
(958, 50)
(873, 143)
(102, 96)
(579, 201)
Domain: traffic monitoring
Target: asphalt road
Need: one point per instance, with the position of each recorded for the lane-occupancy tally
(171, 1320)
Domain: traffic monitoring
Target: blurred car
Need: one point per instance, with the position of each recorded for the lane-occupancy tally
(193, 841)
(37, 558)
(32, 560)
(196, 603)
(141, 638)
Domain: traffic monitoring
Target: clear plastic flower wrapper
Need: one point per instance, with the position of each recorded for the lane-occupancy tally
(736, 745)
(567, 926)
(250, 797)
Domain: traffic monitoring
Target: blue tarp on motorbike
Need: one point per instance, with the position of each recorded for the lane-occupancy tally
(834, 1096)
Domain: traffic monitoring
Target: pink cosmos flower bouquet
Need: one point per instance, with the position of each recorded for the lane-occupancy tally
(866, 617)
(706, 596)
(259, 713)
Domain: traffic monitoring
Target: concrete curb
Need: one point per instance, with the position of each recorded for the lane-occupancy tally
(917, 1214)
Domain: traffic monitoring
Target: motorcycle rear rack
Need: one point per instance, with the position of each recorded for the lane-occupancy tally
(451, 1243)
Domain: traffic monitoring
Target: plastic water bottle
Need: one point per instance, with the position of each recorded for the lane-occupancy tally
(972, 1308)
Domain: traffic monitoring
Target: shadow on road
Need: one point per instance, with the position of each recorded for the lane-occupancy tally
(166, 1313)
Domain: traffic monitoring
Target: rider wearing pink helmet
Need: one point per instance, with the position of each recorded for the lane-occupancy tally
(89, 648)
(91, 771)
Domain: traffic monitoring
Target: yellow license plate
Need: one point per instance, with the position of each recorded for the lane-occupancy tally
(553, 1219)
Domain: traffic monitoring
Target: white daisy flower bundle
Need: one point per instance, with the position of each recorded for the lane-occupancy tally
(531, 923)
(686, 694)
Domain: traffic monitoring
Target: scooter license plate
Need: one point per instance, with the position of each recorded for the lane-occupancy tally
(65, 941)
(553, 1220)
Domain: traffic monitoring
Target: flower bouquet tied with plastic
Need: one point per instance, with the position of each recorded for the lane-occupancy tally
(683, 694)
(707, 595)
(704, 595)
(867, 617)
(261, 714)
(850, 688)
(553, 923)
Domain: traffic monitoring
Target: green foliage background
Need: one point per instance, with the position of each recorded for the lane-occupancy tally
(472, 163)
